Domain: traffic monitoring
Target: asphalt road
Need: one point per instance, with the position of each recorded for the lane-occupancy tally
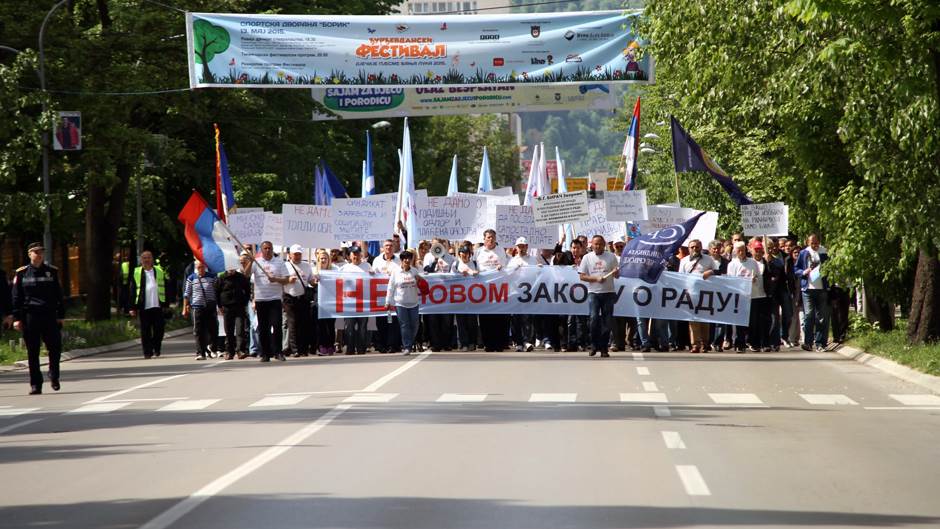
(469, 441)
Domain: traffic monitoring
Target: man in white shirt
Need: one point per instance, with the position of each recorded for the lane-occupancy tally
(598, 269)
(521, 325)
(148, 290)
(268, 278)
(387, 335)
(700, 264)
(744, 266)
(297, 299)
(356, 330)
(495, 327)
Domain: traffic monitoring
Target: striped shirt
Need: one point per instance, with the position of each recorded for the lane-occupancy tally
(200, 291)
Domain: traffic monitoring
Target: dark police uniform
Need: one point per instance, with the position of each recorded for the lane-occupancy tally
(37, 305)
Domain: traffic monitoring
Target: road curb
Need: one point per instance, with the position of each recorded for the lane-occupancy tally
(91, 351)
(891, 367)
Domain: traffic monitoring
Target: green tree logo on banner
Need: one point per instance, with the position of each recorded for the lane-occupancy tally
(208, 41)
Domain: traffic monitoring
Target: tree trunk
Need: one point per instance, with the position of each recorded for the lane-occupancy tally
(103, 216)
(879, 311)
(924, 323)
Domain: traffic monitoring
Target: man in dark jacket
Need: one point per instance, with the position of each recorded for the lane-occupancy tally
(147, 299)
(233, 291)
(775, 285)
(6, 302)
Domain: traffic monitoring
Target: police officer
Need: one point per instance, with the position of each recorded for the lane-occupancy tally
(38, 311)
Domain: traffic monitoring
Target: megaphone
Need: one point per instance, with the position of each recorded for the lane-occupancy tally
(438, 250)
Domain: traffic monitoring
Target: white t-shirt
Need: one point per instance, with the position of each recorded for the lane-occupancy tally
(380, 265)
(599, 265)
(403, 288)
(469, 266)
(266, 290)
(444, 264)
(521, 260)
(700, 266)
(363, 268)
(305, 270)
(752, 269)
(490, 259)
(151, 292)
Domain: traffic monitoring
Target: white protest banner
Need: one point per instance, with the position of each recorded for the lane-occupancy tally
(309, 226)
(273, 229)
(500, 192)
(626, 206)
(513, 222)
(663, 216)
(241, 210)
(597, 224)
(247, 227)
(370, 218)
(452, 218)
(772, 218)
(543, 290)
(485, 218)
(560, 208)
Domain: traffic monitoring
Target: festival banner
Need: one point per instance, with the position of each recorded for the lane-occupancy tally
(369, 103)
(771, 218)
(543, 290)
(307, 225)
(384, 53)
(370, 218)
(513, 222)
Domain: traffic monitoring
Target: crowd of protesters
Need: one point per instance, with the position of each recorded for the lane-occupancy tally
(269, 305)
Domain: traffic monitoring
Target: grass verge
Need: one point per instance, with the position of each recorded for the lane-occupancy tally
(893, 345)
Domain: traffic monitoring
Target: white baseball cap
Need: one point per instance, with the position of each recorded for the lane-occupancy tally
(522, 240)
(296, 249)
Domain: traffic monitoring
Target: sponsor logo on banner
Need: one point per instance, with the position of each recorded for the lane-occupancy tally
(494, 36)
(363, 99)
(573, 57)
(401, 28)
(498, 61)
(444, 26)
(535, 31)
(569, 35)
(592, 36)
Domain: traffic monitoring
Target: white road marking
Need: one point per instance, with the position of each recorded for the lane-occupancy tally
(692, 480)
(14, 426)
(13, 412)
(917, 400)
(735, 398)
(160, 399)
(553, 397)
(902, 408)
(382, 381)
(644, 371)
(828, 400)
(650, 386)
(279, 401)
(643, 397)
(173, 514)
(139, 386)
(314, 392)
(462, 397)
(100, 407)
(638, 356)
(662, 411)
(370, 398)
(189, 405)
(673, 441)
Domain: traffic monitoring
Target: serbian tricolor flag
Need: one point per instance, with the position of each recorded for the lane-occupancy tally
(208, 237)
(631, 148)
(224, 194)
(688, 156)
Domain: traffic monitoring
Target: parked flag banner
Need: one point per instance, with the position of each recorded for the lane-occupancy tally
(543, 290)
(771, 218)
(247, 227)
(626, 206)
(661, 217)
(599, 224)
(310, 226)
(494, 51)
(208, 237)
(645, 257)
(274, 229)
(559, 208)
(374, 103)
(364, 219)
(688, 156)
(513, 222)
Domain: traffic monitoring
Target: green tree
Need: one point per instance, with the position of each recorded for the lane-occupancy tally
(208, 41)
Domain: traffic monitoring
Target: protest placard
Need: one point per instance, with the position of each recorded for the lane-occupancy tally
(273, 229)
(597, 223)
(560, 208)
(663, 216)
(513, 222)
(369, 218)
(500, 192)
(308, 226)
(451, 217)
(771, 218)
(241, 210)
(484, 218)
(626, 206)
(247, 227)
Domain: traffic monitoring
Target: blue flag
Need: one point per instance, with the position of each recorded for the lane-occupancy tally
(688, 156)
(645, 257)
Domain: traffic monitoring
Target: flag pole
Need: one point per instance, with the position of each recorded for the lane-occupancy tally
(677, 190)
(241, 247)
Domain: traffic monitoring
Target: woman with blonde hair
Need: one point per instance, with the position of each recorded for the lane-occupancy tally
(326, 327)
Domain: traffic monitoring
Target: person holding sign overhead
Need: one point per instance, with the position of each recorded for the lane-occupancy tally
(598, 269)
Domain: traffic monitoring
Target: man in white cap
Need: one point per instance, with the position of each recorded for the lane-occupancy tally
(297, 299)
(523, 333)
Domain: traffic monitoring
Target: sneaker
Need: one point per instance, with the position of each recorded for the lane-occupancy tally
(405, 352)
(229, 356)
(765, 349)
(464, 350)
(201, 356)
(806, 347)
(528, 347)
(242, 356)
(605, 354)
(593, 352)
(820, 349)
(519, 348)
(548, 346)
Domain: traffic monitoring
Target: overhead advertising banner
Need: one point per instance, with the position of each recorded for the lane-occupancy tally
(381, 52)
(543, 290)
(375, 103)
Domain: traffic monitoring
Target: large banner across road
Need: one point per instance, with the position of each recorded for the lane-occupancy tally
(544, 290)
(249, 51)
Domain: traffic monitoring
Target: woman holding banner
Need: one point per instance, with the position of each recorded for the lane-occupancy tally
(326, 327)
(403, 295)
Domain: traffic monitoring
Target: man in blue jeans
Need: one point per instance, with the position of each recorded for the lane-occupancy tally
(815, 293)
(598, 269)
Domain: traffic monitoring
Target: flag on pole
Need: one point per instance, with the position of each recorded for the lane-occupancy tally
(486, 182)
(565, 229)
(208, 237)
(224, 194)
(452, 188)
(406, 191)
(688, 156)
(631, 149)
(531, 186)
(368, 185)
(336, 188)
(542, 185)
(645, 257)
